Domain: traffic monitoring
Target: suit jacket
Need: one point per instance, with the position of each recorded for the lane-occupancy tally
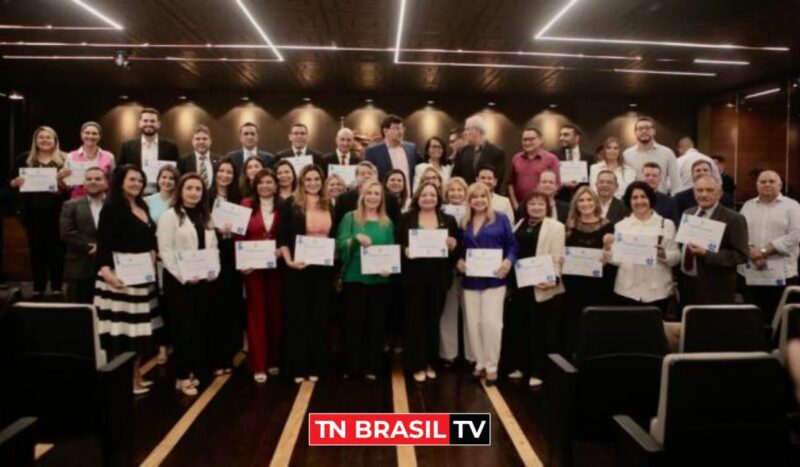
(131, 151)
(188, 163)
(237, 157)
(78, 231)
(685, 200)
(289, 152)
(333, 158)
(666, 208)
(617, 211)
(586, 155)
(716, 272)
(562, 211)
(378, 154)
(465, 166)
(552, 236)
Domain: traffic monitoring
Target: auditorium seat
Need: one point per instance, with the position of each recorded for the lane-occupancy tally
(713, 409)
(616, 369)
(790, 296)
(17, 443)
(722, 328)
(54, 370)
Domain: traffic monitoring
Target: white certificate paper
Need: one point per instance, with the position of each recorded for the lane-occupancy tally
(586, 262)
(629, 248)
(256, 254)
(535, 270)
(152, 167)
(455, 210)
(427, 243)
(774, 275)
(314, 250)
(574, 171)
(197, 264)
(346, 172)
(229, 213)
(380, 259)
(78, 169)
(134, 268)
(299, 162)
(483, 262)
(701, 232)
(41, 179)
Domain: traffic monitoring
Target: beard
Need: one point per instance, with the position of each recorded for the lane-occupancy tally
(149, 130)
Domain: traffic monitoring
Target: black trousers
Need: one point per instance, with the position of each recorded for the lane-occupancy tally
(46, 248)
(224, 318)
(365, 312)
(767, 297)
(189, 306)
(307, 319)
(424, 304)
(533, 331)
(81, 290)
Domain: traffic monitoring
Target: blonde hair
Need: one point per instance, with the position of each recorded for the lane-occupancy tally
(58, 156)
(453, 181)
(360, 214)
(474, 190)
(574, 214)
(300, 191)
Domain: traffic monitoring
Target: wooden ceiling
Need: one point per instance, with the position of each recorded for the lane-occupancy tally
(490, 34)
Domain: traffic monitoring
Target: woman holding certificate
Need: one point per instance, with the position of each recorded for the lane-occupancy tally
(491, 251)
(187, 244)
(40, 182)
(306, 225)
(537, 308)
(587, 229)
(252, 165)
(126, 307)
(455, 199)
(426, 279)
(263, 286)
(365, 292)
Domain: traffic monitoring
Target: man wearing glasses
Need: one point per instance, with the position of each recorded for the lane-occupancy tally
(647, 150)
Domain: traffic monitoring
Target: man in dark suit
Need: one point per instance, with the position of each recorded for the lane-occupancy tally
(348, 201)
(393, 152)
(685, 199)
(78, 226)
(709, 277)
(200, 160)
(149, 146)
(343, 155)
(248, 136)
(728, 183)
(613, 208)
(548, 186)
(298, 136)
(665, 204)
(569, 140)
(479, 152)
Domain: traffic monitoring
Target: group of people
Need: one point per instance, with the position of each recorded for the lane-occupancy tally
(571, 206)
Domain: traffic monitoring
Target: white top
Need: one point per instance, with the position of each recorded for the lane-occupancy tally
(643, 283)
(397, 155)
(268, 212)
(96, 205)
(420, 169)
(685, 163)
(778, 223)
(502, 204)
(625, 176)
(246, 153)
(661, 155)
(174, 237)
(150, 150)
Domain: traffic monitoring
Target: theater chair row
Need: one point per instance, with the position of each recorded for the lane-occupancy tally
(57, 383)
(724, 397)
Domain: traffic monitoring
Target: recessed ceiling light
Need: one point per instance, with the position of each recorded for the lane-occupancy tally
(245, 98)
(182, 97)
(15, 96)
(633, 105)
(553, 106)
(97, 14)
(762, 93)
(368, 101)
(491, 104)
(730, 104)
(430, 102)
(124, 97)
(306, 99)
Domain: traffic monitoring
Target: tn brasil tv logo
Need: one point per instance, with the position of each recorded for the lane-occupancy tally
(393, 429)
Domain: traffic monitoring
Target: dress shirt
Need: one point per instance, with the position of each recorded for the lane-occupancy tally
(343, 158)
(96, 205)
(661, 155)
(209, 166)
(776, 222)
(150, 151)
(399, 160)
(624, 173)
(299, 152)
(249, 152)
(605, 206)
(526, 170)
(693, 271)
(573, 154)
(685, 163)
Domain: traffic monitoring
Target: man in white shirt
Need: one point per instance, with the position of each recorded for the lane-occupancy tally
(200, 160)
(687, 156)
(647, 150)
(248, 137)
(773, 226)
(487, 176)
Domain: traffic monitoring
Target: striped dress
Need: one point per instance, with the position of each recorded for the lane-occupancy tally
(129, 316)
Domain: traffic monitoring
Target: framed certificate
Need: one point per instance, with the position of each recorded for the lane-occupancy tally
(574, 171)
(427, 243)
(39, 180)
(197, 264)
(483, 262)
(700, 231)
(535, 270)
(634, 249)
(256, 254)
(587, 262)
(229, 213)
(134, 268)
(314, 250)
(380, 259)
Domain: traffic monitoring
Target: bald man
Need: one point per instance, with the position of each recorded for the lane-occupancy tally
(773, 227)
(343, 155)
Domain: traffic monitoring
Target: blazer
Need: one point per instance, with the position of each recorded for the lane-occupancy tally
(131, 151)
(552, 236)
(255, 228)
(465, 166)
(427, 270)
(293, 223)
(617, 211)
(188, 163)
(333, 158)
(378, 154)
(716, 272)
(174, 237)
(237, 157)
(289, 152)
(562, 211)
(666, 207)
(77, 228)
(685, 200)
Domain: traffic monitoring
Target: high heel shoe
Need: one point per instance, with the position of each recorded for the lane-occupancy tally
(260, 378)
(419, 376)
(186, 387)
(138, 391)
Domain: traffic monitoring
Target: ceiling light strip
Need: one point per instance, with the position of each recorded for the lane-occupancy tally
(94, 11)
(762, 93)
(58, 57)
(50, 27)
(662, 72)
(708, 61)
(139, 59)
(555, 18)
(259, 29)
(400, 23)
(483, 65)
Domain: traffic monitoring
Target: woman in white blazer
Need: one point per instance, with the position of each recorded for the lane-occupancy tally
(536, 309)
(182, 232)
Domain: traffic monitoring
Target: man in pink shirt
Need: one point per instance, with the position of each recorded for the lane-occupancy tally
(527, 166)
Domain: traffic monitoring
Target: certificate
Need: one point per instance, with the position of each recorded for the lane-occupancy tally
(574, 171)
(586, 262)
(134, 268)
(152, 167)
(774, 275)
(535, 270)
(380, 259)
(701, 232)
(229, 213)
(346, 172)
(456, 211)
(78, 169)
(299, 162)
(41, 179)
(483, 262)
(256, 254)
(427, 243)
(629, 248)
(314, 250)
(197, 264)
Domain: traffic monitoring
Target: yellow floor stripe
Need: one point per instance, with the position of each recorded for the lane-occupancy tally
(41, 449)
(291, 430)
(523, 447)
(406, 456)
(169, 442)
(149, 365)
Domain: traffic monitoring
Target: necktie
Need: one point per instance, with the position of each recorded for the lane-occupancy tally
(298, 153)
(688, 256)
(202, 170)
(342, 160)
(477, 158)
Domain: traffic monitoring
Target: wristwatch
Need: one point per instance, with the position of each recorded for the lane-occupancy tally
(763, 251)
